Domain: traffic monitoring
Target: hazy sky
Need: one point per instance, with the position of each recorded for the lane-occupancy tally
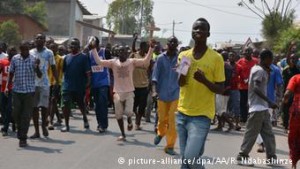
(228, 21)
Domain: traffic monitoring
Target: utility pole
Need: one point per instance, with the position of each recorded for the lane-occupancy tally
(173, 29)
(141, 20)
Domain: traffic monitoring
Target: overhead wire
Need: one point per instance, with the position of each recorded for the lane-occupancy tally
(220, 10)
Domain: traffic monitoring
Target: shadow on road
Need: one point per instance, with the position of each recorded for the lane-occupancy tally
(42, 149)
(136, 142)
(55, 141)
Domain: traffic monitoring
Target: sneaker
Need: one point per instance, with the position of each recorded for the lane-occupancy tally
(23, 143)
(157, 139)
(244, 160)
(170, 151)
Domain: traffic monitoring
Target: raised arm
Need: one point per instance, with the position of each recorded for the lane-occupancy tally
(133, 49)
(145, 62)
(99, 61)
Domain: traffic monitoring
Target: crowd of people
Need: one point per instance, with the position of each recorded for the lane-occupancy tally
(188, 89)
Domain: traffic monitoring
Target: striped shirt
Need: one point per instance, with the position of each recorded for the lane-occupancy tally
(24, 74)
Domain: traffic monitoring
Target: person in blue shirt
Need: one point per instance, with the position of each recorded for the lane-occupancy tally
(100, 87)
(165, 86)
(76, 69)
(275, 88)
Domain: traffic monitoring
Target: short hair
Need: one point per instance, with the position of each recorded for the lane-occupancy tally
(24, 43)
(97, 40)
(225, 55)
(75, 39)
(265, 54)
(43, 35)
(172, 38)
(204, 20)
(143, 44)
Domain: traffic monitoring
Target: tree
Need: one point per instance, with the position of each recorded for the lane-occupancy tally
(9, 33)
(37, 12)
(11, 6)
(276, 16)
(124, 16)
(285, 38)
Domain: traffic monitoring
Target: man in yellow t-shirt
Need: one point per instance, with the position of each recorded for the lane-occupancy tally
(205, 77)
(55, 90)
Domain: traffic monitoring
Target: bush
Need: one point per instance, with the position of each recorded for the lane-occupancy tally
(9, 33)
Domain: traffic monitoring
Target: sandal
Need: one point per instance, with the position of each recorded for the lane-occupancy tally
(121, 138)
(138, 127)
(129, 127)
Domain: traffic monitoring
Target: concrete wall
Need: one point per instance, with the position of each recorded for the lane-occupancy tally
(58, 17)
(92, 32)
(78, 29)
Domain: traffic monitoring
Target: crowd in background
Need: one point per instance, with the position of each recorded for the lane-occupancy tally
(41, 75)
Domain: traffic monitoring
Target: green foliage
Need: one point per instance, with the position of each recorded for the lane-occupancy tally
(11, 6)
(285, 38)
(9, 33)
(37, 12)
(274, 23)
(276, 16)
(124, 15)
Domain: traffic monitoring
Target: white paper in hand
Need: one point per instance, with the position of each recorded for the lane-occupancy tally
(184, 66)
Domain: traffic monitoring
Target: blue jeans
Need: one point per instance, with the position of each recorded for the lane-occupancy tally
(192, 133)
(101, 101)
(6, 102)
(234, 103)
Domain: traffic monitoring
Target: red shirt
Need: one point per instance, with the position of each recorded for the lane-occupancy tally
(235, 78)
(294, 86)
(4, 65)
(244, 66)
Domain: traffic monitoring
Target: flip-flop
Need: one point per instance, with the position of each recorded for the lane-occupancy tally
(129, 127)
(121, 138)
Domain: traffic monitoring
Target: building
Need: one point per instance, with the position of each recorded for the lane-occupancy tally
(65, 20)
(28, 27)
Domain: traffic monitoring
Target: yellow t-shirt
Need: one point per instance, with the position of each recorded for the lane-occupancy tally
(195, 98)
(140, 74)
(59, 65)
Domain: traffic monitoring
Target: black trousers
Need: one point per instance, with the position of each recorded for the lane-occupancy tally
(244, 105)
(140, 103)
